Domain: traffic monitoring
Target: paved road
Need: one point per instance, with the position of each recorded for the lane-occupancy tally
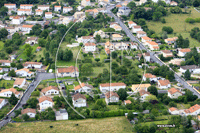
(152, 54)
(25, 97)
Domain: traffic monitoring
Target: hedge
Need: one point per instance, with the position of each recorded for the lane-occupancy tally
(113, 113)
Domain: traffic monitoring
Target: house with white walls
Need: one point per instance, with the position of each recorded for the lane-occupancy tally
(145, 39)
(116, 37)
(83, 87)
(164, 84)
(5, 63)
(67, 9)
(194, 110)
(3, 102)
(19, 82)
(24, 72)
(68, 72)
(86, 39)
(143, 95)
(174, 93)
(79, 100)
(194, 69)
(89, 47)
(105, 87)
(45, 102)
(16, 20)
(27, 28)
(147, 57)
(29, 111)
(50, 90)
(173, 111)
(24, 12)
(43, 7)
(85, 3)
(48, 15)
(26, 6)
(31, 40)
(141, 34)
(167, 53)
(183, 52)
(32, 65)
(38, 12)
(57, 8)
(150, 76)
(138, 87)
(8, 92)
(136, 28)
(101, 33)
(131, 24)
(10, 6)
(111, 97)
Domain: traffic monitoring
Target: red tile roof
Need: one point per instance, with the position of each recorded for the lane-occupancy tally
(112, 84)
(77, 96)
(68, 69)
(28, 110)
(173, 90)
(49, 88)
(43, 98)
(108, 94)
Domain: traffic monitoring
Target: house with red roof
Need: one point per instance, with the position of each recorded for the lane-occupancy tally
(24, 72)
(24, 12)
(143, 95)
(83, 87)
(194, 110)
(149, 76)
(19, 82)
(68, 72)
(85, 3)
(164, 84)
(174, 93)
(29, 111)
(89, 47)
(173, 111)
(111, 87)
(127, 102)
(50, 90)
(136, 28)
(131, 24)
(79, 100)
(45, 102)
(141, 34)
(111, 97)
(8, 92)
(183, 52)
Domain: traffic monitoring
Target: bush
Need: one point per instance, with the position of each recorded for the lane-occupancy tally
(197, 20)
(167, 29)
(190, 20)
(35, 93)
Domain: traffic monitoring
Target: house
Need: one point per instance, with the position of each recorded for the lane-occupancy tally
(164, 84)
(109, 46)
(138, 87)
(111, 87)
(5, 62)
(29, 111)
(68, 72)
(43, 7)
(50, 90)
(1, 70)
(38, 48)
(141, 34)
(33, 65)
(192, 68)
(89, 47)
(111, 97)
(112, 25)
(38, 12)
(48, 15)
(24, 72)
(3, 102)
(27, 28)
(92, 12)
(83, 87)
(24, 12)
(85, 3)
(32, 40)
(8, 92)
(127, 102)
(147, 57)
(194, 110)
(173, 3)
(66, 20)
(143, 95)
(123, 11)
(10, 6)
(182, 52)
(174, 93)
(101, 33)
(78, 15)
(145, 39)
(45, 102)
(121, 46)
(176, 61)
(149, 76)
(11, 30)
(153, 45)
(85, 39)
(131, 24)
(133, 45)
(19, 82)
(67, 9)
(16, 19)
(26, 6)
(167, 53)
(173, 111)
(117, 28)
(171, 40)
(136, 28)
(57, 8)
(116, 37)
(61, 114)
(79, 100)
(118, 5)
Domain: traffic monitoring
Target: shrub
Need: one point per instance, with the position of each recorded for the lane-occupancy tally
(35, 93)
(167, 29)
(197, 20)
(190, 20)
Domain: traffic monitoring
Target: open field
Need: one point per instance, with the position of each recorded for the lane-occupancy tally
(177, 22)
(1, 45)
(6, 83)
(107, 125)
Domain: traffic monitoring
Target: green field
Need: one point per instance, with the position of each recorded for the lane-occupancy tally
(1, 45)
(6, 83)
(177, 22)
(106, 125)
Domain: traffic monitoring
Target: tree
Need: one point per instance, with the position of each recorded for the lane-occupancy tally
(28, 50)
(42, 42)
(157, 16)
(152, 128)
(97, 59)
(172, 104)
(32, 103)
(155, 112)
(182, 43)
(25, 117)
(13, 64)
(3, 33)
(130, 116)
(164, 35)
(196, 3)
(190, 20)
(3, 11)
(114, 54)
(122, 94)
(86, 69)
(13, 100)
(187, 74)
(68, 55)
(12, 73)
(98, 38)
(167, 29)
(131, 5)
(151, 98)
(153, 90)
(100, 104)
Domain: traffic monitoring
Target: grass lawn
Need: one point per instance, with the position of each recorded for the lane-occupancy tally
(6, 83)
(108, 125)
(183, 106)
(113, 107)
(22, 54)
(177, 22)
(5, 110)
(156, 122)
(1, 45)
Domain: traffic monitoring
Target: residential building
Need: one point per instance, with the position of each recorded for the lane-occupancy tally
(92, 12)
(19, 82)
(118, 6)
(86, 39)
(11, 30)
(121, 46)
(61, 114)
(29, 111)
(176, 61)
(50, 90)
(133, 45)
(68, 72)
(194, 110)
(38, 48)
(43, 7)
(85, 3)
(109, 46)
(141, 34)
(27, 28)
(117, 28)
(67, 9)
(16, 20)
(174, 93)
(78, 15)
(131, 24)
(24, 12)
(149, 76)
(83, 87)
(101, 33)
(24, 72)
(123, 11)
(164, 84)
(116, 37)
(111, 97)
(138, 87)
(5, 63)
(113, 24)
(31, 40)
(167, 53)
(57, 8)
(173, 3)
(26, 6)
(111, 87)
(10, 6)
(136, 28)
(143, 95)
(182, 52)
(79, 100)
(173, 111)
(45, 102)
(48, 15)
(38, 12)
(89, 47)
(33, 65)
(145, 39)
(171, 40)
(3, 102)
(192, 68)
(8, 92)
(147, 57)
(152, 45)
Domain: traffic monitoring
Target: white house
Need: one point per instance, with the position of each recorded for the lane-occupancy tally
(5, 63)
(194, 110)
(116, 37)
(67, 9)
(143, 95)
(112, 25)
(171, 40)
(3, 102)
(57, 8)
(30, 112)
(83, 88)
(90, 47)
(117, 28)
(133, 45)
(79, 100)
(50, 90)
(85, 3)
(173, 111)
(136, 28)
(121, 46)
(24, 72)
(85, 39)
(48, 15)
(174, 93)
(68, 72)
(173, 3)
(152, 45)
(149, 76)
(147, 57)
(11, 30)
(167, 53)
(45, 102)
(141, 34)
(182, 52)
(33, 65)
(16, 19)
(78, 15)
(192, 68)
(10, 6)
(8, 92)
(32, 40)
(111, 87)
(43, 7)
(26, 6)
(123, 11)
(92, 12)
(61, 114)
(19, 82)
(38, 12)
(131, 24)
(111, 97)
(27, 28)
(138, 87)
(145, 39)
(24, 12)
(101, 33)
(164, 84)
